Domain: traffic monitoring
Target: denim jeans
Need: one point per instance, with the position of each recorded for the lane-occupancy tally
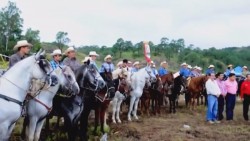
(212, 107)
(230, 104)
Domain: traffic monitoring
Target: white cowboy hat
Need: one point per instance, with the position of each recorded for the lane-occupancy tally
(22, 43)
(129, 62)
(85, 59)
(119, 63)
(199, 68)
(195, 67)
(107, 57)
(68, 50)
(189, 66)
(93, 53)
(152, 62)
(136, 63)
(164, 62)
(211, 66)
(184, 64)
(56, 52)
(230, 65)
(244, 67)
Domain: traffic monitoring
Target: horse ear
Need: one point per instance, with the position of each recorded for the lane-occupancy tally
(38, 54)
(88, 62)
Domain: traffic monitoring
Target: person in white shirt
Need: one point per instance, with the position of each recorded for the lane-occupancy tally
(213, 92)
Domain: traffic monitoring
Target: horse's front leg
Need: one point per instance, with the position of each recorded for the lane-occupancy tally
(147, 106)
(118, 110)
(97, 117)
(25, 124)
(170, 103)
(30, 132)
(135, 108)
(132, 102)
(102, 118)
(39, 127)
(114, 109)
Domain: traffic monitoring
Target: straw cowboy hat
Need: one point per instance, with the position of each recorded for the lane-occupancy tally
(164, 62)
(85, 59)
(68, 50)
(107, 57)
(230, 65)
(119, 63)
(22, 43)
(136, 63)
(93, 53)
(56, 52)
(184, 64)
(211, 66)
(244, 67)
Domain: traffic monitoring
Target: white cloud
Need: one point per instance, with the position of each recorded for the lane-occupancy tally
(203, 23)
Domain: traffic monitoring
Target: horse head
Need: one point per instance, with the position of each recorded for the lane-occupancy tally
(123, 85)
(150, 77)
(66, 79)
(110, 89)
(88, 77)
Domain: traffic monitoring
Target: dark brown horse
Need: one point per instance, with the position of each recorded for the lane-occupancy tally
(195, 87)
(156, 95)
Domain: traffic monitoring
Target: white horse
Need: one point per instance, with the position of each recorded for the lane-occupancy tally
(138, 81)
(14, 86)
(40, 106)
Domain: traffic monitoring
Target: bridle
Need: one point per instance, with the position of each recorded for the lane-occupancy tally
(95, 84)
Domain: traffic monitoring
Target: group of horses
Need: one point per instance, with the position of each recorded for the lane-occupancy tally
(32, 86)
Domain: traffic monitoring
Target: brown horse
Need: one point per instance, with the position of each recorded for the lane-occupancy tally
(195, 87)
(167, 82)
(156, 95)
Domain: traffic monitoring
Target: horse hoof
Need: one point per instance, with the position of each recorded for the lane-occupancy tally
(114, 121)
(119, 121)
(136, 118)
(129, 119)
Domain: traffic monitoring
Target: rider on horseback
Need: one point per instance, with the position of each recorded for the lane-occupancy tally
(136, 67)
(93, 55)
(107, 66)
(71, 60)
(163, 69)
(210, 70)
(57, 56)
(23, 48)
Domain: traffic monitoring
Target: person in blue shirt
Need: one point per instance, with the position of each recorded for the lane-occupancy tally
(57, 56)
(210, 70)
(184, 71)
(229, 70)
(107, 66)
(194, 72)
(93, 55)
(163, 69)
(136, 67)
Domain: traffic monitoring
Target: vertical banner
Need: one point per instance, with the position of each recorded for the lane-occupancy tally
(146, 51)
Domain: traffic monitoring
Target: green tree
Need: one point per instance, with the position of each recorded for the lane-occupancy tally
(10, 25)
(32, 36)
(62, 39)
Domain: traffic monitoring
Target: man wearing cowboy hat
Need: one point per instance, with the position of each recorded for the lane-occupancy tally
(23, 48)
(136, 67)
(163, 69)
(194, 72)
(210, 70)
(229, 70)
(245, 71)
(57, 56)
(130, 66)
(199, 69)
(70, 60)
(93, 55)
(184, 70)
(153, 67)
(107, 66)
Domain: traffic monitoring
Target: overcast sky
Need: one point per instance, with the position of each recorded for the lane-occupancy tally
(204, 23)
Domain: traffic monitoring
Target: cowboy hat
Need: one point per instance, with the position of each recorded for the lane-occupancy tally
(85, 59)
(68, 50)
(107, 57)
(189, 66)
(153, 66)
(211, 66)
(119, 63)
(136, 63)
(184, 64)
(195, 67)
(152, 62)
(230, 65)
(129, 62)
(22, 43)
(244, 67)
(93, 53)
(164, 62)
(199, 68)
(56, 52)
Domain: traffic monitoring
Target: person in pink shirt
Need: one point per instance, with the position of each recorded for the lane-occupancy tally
(221, 98)
(231, 88)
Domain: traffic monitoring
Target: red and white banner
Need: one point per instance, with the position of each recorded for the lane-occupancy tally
(146, 51)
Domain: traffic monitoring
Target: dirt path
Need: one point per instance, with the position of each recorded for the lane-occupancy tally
(169, 127)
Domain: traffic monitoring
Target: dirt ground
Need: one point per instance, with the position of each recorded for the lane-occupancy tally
(170, 127)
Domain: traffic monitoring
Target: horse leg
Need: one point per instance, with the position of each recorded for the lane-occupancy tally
(202, 99)
(102, 117)
(135, 108)
(143, 109)
(84, 123)
(132, 101)
(118, 110)
(39, 127)
(70, 128)
(25, 123)
(114, 109)
(30, 134)
(147, 106)
(47, 126)
(4, 132)
(97, 118)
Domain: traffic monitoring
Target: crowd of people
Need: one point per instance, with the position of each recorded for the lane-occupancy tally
(221, 93)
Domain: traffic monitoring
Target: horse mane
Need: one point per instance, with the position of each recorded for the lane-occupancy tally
(78, 72)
